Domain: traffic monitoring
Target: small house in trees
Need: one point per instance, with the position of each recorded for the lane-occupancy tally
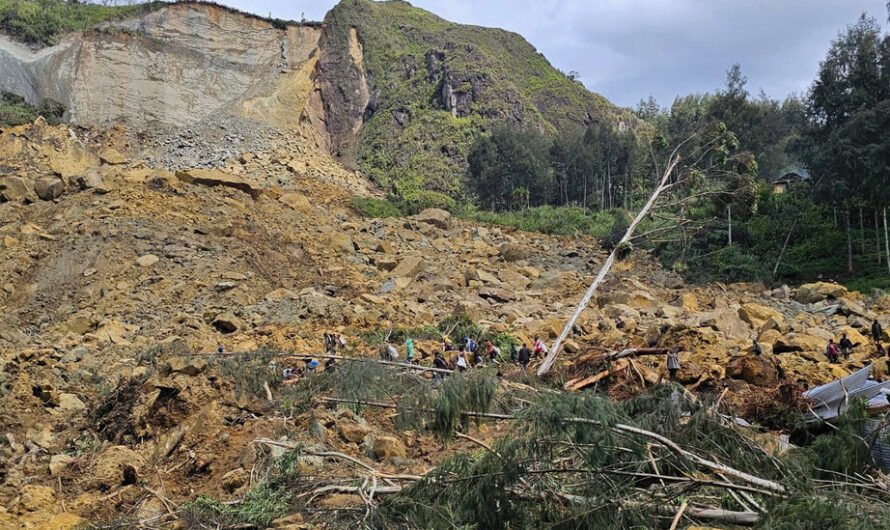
(788, 177)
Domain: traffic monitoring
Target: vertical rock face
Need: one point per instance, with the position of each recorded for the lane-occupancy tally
(174, 66)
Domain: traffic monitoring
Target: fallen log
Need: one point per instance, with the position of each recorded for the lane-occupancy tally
(663, 185)
(768, 487)
(582, 383)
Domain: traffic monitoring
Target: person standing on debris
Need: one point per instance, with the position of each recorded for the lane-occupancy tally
(756, 348)
(831, 351)
(540, 348)
(469, 344)
(439, 362)
(341, 342)
(493, 351)
(877, 332)
(462, 361)
(330, 366)
(514, 353)
(525, 356)
(409, 351)
(478, 359)
(846, 346)
(388, 352)
(880, 351)
(673, 363)
(329, 343)
(446, 344)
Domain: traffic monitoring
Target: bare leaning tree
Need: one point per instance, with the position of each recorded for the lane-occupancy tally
(675, 183)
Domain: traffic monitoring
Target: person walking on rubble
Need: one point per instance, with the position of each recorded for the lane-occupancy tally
(525, 356)
(673, 364)
(540, 348)
(756, 348)
(493, 351)
(831, 351)
(461, 361)
(439, 362)
(877, 332)
(409, 350)
(880, 351)
(846, 346)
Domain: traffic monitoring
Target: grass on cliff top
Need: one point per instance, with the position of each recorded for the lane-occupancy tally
(43, 22)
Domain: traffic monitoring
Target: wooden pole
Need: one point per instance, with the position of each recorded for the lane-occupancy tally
(886, 240)
(662, 186)
(849, 244)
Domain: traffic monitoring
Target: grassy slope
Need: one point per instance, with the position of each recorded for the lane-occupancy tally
(509, 78)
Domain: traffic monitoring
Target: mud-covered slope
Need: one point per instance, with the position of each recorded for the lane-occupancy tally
(416, 88)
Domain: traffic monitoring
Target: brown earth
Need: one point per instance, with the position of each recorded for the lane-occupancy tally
(109, 283)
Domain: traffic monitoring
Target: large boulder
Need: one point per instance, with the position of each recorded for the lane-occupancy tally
(14, 189)
(727, 321)
(408, 267)
(298, 202)
(757, 370)
(116, 466)
(112, 157)
(215, 177)
(637, 299)
(513, 252)
(434, 216)
(49, 188)
(799, 342)
(816, 292)
(383, 448)
(757, 315)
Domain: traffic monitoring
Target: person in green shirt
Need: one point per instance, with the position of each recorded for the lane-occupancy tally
(409, 350)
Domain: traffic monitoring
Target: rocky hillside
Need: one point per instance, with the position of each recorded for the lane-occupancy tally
(384, 86)
(115, 277)
(413, 89)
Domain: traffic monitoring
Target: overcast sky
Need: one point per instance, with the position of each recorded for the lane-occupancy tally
(630, 49)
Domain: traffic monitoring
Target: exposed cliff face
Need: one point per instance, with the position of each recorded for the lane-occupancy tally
(175, 66)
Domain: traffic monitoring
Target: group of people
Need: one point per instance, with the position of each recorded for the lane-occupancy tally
(845, 346)
(334, 342)
(470, 354)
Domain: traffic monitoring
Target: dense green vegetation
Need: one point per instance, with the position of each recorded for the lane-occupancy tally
(14, 110)
(42, 22)
(436, 85)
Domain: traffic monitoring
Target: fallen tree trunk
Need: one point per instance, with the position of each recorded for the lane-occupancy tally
(769, 487)
(663, 185)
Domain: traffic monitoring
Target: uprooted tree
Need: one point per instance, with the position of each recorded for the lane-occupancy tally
(711, 171)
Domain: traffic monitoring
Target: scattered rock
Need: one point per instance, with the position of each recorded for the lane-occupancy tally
(49, 188)
(512, 252)
(758, 315)
(71, 403)
(352, 431)
(215, 177)
(298, 202)
(147, 260)
(13, 189)
(112, 157)
(434, 216)
(116, 466)
(757, 370)
(816, 292)
(408, 267)
(59, 463)
(383, 448)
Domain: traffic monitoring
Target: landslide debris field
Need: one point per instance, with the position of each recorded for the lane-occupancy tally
(118, 291)
(164, 262)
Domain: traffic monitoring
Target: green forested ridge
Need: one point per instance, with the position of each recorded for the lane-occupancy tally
(729, 224)
(411, 142)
